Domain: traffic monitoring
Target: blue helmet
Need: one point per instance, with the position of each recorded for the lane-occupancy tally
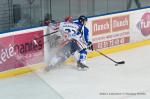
(82, 19)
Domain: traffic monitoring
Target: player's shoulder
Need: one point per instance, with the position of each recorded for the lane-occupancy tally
(66, 23)
(62, 23)
(79, 24)
(75, 24)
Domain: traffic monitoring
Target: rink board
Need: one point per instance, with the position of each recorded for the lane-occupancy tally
(18, 53)
(25, 70)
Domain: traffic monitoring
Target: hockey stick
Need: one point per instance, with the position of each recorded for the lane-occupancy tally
(46, 35)
(120, 62)
(35, 39)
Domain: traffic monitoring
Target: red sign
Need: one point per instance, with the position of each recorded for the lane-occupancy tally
(115, 31)
(101, 26)
(19, 50)
(145, 24)
(111, 43)
(120, 23)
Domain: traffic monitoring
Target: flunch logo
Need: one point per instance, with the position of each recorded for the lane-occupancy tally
(109, 25)
(101, 26)
(120, 23)
(145, 24)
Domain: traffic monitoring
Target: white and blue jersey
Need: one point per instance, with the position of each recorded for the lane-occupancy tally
(83, 32)
(69, 30)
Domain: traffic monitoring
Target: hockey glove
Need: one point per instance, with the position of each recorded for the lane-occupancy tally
(90, 46)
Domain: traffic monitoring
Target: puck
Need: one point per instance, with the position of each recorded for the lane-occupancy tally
(116, 64)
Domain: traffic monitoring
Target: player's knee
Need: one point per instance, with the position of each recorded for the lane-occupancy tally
(83, 52)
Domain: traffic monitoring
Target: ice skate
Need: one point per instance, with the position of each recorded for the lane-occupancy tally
(48, 68)
(81, 66)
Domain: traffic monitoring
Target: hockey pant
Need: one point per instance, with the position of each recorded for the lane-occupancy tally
(67, 49)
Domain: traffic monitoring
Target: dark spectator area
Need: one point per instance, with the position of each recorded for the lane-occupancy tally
(18, 14)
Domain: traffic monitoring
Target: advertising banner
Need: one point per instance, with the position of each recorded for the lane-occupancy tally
(20, 50)
(120, 28)
(110, 31)
(140, 25)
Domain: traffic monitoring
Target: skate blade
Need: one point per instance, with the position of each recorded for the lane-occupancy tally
(47, 68)
(82, 69)
(51, 67)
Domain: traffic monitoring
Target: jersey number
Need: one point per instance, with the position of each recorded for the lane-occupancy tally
(70, 31)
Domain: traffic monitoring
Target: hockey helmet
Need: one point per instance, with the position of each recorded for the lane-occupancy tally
(82, 19)
(69, 19)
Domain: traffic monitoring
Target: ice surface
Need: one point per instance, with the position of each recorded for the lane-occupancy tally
(29, 86)
(103, 80)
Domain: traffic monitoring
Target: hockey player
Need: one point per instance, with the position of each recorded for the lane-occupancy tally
(84, 35)
(73, 35)
(68, 33)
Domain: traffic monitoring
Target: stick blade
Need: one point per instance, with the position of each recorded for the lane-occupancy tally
(122, 62)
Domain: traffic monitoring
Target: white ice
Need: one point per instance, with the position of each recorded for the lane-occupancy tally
(103, 80)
